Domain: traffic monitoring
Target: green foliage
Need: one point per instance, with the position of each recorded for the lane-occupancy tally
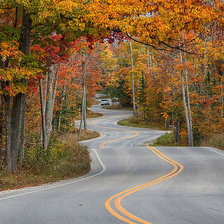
(65, 158)
(59, 159)
(118, 91)
(165, 140)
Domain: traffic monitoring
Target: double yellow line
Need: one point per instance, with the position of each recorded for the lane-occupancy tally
(124, 215)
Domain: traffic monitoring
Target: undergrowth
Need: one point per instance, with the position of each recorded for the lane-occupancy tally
(216, 141)
(65, 158)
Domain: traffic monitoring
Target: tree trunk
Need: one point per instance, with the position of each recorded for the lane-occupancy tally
(19, 101)
(1, 122)
(147, 63)
(221, 99)
(22, 135)
(7, 102)
(221, 90)
(83, 110)
(62, 103)
(15, 119)
(47, 99)
(43, 127)
(133, 81)
(189, 134)
(188, 103)
(55, 88)
(186, 109)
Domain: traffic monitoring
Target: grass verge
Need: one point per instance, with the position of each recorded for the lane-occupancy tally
(133, 122)
(90, 114)
(216, 141)
(165, 140)
(64, 159)
(168, 139)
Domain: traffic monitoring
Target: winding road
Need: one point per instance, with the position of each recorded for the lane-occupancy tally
(128, 183)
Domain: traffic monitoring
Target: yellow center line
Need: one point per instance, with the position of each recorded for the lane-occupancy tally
(104, 143)
(131, 191)
(178, 168)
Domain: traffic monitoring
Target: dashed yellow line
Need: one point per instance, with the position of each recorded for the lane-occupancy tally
(128, 217)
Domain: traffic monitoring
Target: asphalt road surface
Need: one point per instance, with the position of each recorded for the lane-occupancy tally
(128, 183)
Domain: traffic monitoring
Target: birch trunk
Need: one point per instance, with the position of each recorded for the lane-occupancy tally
(62, 102)
(221, 99)
(49, 101)
(47, 106)
(188, 103)
(83, 110)
(43, 128)
(189, 109)
(190, 143)
(55, 89)
(221, 89)
(133, 81)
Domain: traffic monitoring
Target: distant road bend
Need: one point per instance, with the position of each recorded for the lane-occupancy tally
(128, 183)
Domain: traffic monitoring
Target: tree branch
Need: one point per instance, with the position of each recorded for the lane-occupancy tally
(165, 44)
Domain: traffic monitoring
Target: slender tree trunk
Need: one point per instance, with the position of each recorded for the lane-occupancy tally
(43, 127)
(1, 122)
(49, 101)
(7, 102)
(222, 103)
(189, 109)
(62, 103)
(133, 81)
(147, 64)
(188, 103)
(55, 88)
(83, 110)
(172, 101)
(185, 104)
(185, 109)
(22, 135)
(221, 90)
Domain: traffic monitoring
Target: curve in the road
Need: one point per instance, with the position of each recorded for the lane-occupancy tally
(117, 198)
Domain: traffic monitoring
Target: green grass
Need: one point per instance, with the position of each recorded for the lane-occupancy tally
(90, 114)
(165, 140)
(133, 122)
(216, 141)
(65, 158)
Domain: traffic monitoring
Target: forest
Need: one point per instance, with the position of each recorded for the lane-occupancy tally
(164, 59)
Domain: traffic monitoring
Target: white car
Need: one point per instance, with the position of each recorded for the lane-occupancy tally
(105, 102)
